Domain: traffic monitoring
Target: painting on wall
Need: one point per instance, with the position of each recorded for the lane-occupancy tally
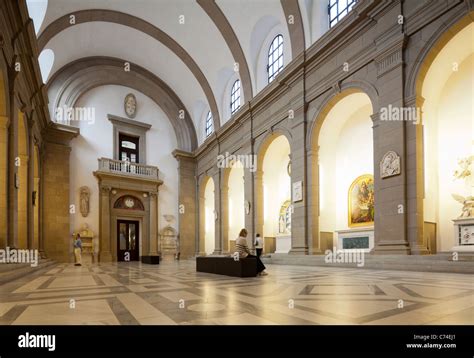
(361, 201)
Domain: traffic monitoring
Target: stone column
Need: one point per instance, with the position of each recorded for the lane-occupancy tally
(250, 198)
(217, 213)
(312, 188)
(105, 245)
(390, 193)
(3, 180)
(56, 216)
(41, 216)
(201, 241)
(258, 202)
(187, 205)
(299, 238)
(37, 214)
(153, 245)
(12, 190)
(225, 210)
(30, 186)
(415, 180)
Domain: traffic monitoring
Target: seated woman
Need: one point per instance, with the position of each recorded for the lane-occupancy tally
(244, 251)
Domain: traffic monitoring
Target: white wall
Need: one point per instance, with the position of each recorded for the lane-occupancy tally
(276, 183)
(449, 135)
(96, 140)
(346, 152)
(209, 218)
(236, 201)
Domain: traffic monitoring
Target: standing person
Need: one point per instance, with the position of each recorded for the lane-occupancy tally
(243, 249)
(78, 250)
(259, 245)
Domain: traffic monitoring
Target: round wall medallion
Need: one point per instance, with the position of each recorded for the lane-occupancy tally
(130, 105)
(129, 203)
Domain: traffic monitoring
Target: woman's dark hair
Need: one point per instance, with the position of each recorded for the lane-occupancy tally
(258, 235)
(78, 236)
(243, 233)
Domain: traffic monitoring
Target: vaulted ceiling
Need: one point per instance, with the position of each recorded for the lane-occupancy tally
(191, 46)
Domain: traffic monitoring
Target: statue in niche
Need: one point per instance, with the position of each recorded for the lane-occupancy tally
(84, 200)
(389, 165)
(284, 221)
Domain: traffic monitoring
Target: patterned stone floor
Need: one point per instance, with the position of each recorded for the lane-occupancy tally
(174, 293)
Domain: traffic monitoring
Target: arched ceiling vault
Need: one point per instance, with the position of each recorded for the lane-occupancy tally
(84, 16)
(80, 76)
(199, 43)
(218, 17)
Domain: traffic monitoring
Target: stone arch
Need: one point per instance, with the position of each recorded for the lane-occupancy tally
(139, 24)
(204, 181)
(438, 94)
(317, 243)
(228, 195)
(268, 138)
(78, 77)
(333, 97)
(261, 150)
(430, 51)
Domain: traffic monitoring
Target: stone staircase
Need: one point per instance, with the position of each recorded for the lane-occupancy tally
(441, 262)
(10, 272)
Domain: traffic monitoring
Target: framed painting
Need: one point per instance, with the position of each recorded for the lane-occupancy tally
(361, 201)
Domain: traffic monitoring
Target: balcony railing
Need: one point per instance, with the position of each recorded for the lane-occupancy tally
(127, 168)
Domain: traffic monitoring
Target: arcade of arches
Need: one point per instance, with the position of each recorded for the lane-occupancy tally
(305, 164)
(364, 142)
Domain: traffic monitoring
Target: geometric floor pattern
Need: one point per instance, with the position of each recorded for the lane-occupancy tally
(173, 293)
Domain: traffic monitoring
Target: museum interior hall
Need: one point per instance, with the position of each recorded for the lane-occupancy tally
(139, 138)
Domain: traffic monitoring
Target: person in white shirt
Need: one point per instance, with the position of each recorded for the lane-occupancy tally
(243, 249)
(259, 245)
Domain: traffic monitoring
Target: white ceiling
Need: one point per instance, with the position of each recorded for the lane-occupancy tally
(251, 21)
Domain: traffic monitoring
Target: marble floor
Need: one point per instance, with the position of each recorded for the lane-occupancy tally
(173, 293)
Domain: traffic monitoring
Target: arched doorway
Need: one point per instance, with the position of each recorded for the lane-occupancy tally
(208, 220)
(343, 171)
(445, 87)
(273, 193)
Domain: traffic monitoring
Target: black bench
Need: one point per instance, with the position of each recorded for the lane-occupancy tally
(227, 266)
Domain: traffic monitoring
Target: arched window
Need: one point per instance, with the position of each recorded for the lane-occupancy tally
(209, 124)
(275, 58)
(338, 9)
(235, 97)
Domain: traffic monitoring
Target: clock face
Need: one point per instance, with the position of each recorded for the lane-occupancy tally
(130, 105)
(129, 203)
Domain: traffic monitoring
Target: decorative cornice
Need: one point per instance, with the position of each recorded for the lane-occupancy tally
(128, 122)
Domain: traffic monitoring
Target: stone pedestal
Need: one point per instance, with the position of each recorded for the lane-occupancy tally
(463, 235)
(283, 244)
(356, 239)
